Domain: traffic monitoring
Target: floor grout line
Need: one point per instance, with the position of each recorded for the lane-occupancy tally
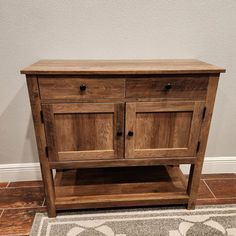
(219, 178)
(43, 202)
(15, 234)
(22, 208)
(210, 198)
(24, 187)
(1, 213)
(209, 189)
(226, 198)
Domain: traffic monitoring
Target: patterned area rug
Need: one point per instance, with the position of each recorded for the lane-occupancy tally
(204, 221)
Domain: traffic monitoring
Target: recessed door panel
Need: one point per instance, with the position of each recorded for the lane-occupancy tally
(76, 131)
(162, 129)
(84, 132)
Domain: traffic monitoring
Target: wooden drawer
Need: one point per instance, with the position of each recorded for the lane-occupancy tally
(80, 88)
(194, 87)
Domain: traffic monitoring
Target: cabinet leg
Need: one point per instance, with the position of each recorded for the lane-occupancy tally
(49, 189)
(193, 184)
(52, 213)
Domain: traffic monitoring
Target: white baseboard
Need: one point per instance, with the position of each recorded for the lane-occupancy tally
(20, 172)
(31, 171)
(216, 165)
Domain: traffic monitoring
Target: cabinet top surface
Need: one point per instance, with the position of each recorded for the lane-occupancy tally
(90, 67)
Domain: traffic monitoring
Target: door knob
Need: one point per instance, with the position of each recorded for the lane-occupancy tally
(83, 87)
(168, 86)
(130, 133)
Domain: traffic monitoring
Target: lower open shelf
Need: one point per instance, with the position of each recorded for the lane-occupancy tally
(119, 187)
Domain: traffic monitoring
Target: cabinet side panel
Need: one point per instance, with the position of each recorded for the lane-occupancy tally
(196, 169)
(41, 143)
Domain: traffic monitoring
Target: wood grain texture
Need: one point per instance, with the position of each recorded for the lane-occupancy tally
(83, 108)
(160, 101)
(204, 192)
(79, 131)
(3, 184)
(223, 188)
(20, 184)
(175, 171)
(120, 187)
(33, 90)
(18, 221)
(195, 170)
(113, 175)
(122, 162)
(215, 201)
(83, 132)
(113, 189)
(86, 155)
(50, 132)
(21, 197)
(162, 129)
(117, 100)
(124, 200)
(163, 66)
(185, 87)
(67, 87)
(219, 176)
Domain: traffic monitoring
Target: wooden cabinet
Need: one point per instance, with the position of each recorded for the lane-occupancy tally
(115, 132)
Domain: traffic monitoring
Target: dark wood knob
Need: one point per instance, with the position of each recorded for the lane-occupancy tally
(168, 86)
(130, 133)
(83, 87)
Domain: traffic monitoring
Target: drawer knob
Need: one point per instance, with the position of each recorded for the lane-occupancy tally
(168, 86)
(130, 133)
(119, 133)
(83, 87)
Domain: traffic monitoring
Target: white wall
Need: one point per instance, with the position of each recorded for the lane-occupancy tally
(31, 30)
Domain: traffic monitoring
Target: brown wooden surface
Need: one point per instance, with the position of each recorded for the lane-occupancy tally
(80, 131)
(3, 184)
(64, 87)
(204, 192)
(127, 200)
(224, 188)
(163, 66)
(113, 189)
(162, 129)
(219, 176)
(122, 162)
(193, 87)
(19, 197)
(122, 175)
(122, 96)
(196, 169)
(117, 100)
(17, 220)
(33, 90)
(21, 184)
(120, 187)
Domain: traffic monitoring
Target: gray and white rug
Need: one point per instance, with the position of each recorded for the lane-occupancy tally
(204, 221)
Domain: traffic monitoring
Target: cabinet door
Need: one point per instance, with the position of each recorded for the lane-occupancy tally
(80, 131)
(162, 129)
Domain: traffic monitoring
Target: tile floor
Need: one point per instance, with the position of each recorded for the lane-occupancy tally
(19, 201)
